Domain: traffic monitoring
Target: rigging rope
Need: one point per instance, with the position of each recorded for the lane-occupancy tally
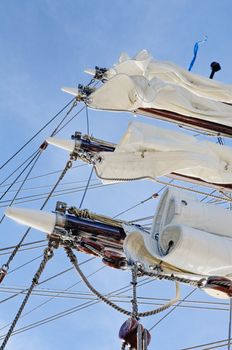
(50, 185)
(173, 309)
(86, 188)
(22, 184)
(5, 267)
(155, 195)
(48, 253)
(73, 260)
(195, 191)
(229, 329)
(36, 156)
(225, 341)
(69, 311)
(36, 134)
(69, 121)
(20, 166)
(53, 297)
(25, 249)
(25, 244)
(46, 174)
(37, 197)
(44, 281)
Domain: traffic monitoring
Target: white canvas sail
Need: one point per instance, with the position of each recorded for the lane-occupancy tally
(147, 151)
(162, 90)
(176, 207)
(137, 93)
(201, 241)
(143, 64)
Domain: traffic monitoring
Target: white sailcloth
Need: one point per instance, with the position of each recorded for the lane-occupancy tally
(131, 93)
(143, 64)
(177, 207)
(200, 236)
(147, 151)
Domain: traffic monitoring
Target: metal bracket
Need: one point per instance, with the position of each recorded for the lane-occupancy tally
(61, 207)
(85, 91)
(100, 73)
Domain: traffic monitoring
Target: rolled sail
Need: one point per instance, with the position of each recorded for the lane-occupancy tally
(162, 90)
(192, 251)
(146, 151)
(186, 235)
(196, 251)
(143, 64)
(181, 208)
(154, 97)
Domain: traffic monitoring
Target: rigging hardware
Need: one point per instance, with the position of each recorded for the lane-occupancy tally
(215, 67)
(100, 73)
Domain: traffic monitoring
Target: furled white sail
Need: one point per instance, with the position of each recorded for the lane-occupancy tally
(133, 93)
(147, 151)
(143, 64)
(177, 207)
(186, 234)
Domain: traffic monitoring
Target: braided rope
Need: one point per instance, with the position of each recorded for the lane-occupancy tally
(73, 260)
(169, 278)
(48, 253)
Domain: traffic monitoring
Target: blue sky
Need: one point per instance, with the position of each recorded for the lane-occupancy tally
(45, 45)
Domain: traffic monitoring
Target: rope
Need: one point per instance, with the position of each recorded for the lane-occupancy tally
(48, 253)
(67, 311)
(35, 159)
(73, 260)
(54, 296)
(207, 344)
(84, 213)
(195, 191)
(229, 329)
(134, 291)
(25, 244)
(40, 196)
(67, 167)
(20, 166)
(37, 133)
(46, 174)
(86, 188)
(169, 312)
(69, 121)
(37, 154)
(155, 195)
(175, 278)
